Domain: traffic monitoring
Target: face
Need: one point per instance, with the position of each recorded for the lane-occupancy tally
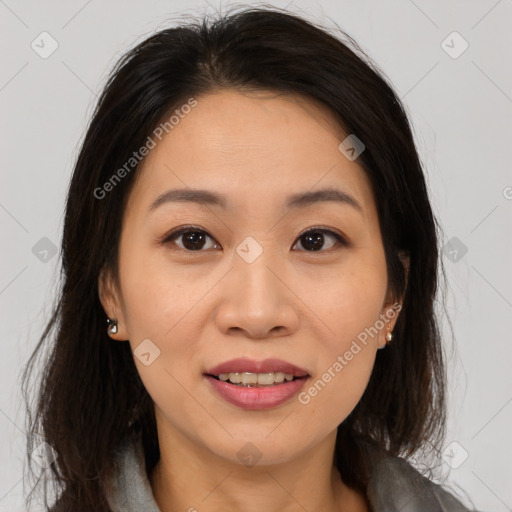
(252, 276)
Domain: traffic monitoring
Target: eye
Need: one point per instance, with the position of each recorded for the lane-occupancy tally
(192, 238)
(314, 238)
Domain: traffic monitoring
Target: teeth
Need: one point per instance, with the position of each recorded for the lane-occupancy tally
(248, 378)
(256, 379)
(279, 377)
(266, 378)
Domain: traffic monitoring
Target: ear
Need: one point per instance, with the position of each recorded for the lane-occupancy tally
(110, 300)
(393, 304)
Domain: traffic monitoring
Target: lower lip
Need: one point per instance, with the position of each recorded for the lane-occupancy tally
(257, 398)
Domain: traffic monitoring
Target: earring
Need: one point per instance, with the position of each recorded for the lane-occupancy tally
(112, 326)
(389, 337)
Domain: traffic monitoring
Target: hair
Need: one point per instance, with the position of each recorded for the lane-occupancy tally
(89, 396)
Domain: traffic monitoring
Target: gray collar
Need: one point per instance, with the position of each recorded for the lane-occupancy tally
(395, 486)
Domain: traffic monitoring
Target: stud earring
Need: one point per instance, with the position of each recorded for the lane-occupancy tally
(389, 337)
(112, 326)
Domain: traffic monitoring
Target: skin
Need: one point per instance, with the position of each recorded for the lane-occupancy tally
(204, 307)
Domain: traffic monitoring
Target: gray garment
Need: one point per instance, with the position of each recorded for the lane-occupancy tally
(395, 486)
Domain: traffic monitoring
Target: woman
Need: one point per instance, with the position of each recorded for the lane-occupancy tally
(250, 263)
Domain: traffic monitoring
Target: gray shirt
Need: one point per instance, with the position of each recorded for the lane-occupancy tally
(395, 486)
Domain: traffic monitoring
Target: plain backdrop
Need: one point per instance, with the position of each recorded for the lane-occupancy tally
(450, 63)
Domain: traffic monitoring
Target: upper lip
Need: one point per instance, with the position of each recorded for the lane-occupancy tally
(251, 366)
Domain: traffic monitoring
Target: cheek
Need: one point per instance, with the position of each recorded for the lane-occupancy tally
(344, 366)
(350, 306)
(349, 302)
(161, 316)
(156, 300)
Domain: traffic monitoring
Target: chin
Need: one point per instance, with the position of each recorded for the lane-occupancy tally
(252, 449)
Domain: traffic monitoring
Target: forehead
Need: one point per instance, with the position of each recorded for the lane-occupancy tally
(257, 146)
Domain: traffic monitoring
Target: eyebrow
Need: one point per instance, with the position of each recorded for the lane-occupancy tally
(300, 200)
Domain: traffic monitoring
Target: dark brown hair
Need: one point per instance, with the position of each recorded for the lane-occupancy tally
(89, 396)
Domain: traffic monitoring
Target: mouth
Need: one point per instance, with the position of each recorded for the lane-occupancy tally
(255, 385)
(256, 380)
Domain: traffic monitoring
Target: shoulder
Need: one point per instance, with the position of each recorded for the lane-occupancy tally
(63, 505)
(395, 485)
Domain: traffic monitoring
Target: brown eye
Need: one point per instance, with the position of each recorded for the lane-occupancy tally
(313, 240)
(192, 239)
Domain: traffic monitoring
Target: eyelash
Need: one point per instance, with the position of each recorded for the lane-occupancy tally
(195, 229)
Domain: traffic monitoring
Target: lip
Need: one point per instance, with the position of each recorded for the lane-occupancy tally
(257, 398)
(251, 366)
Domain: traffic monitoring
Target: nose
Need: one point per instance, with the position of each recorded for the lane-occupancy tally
(257, 301)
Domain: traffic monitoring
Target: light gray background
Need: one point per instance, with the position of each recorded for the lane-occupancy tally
(461, 110)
